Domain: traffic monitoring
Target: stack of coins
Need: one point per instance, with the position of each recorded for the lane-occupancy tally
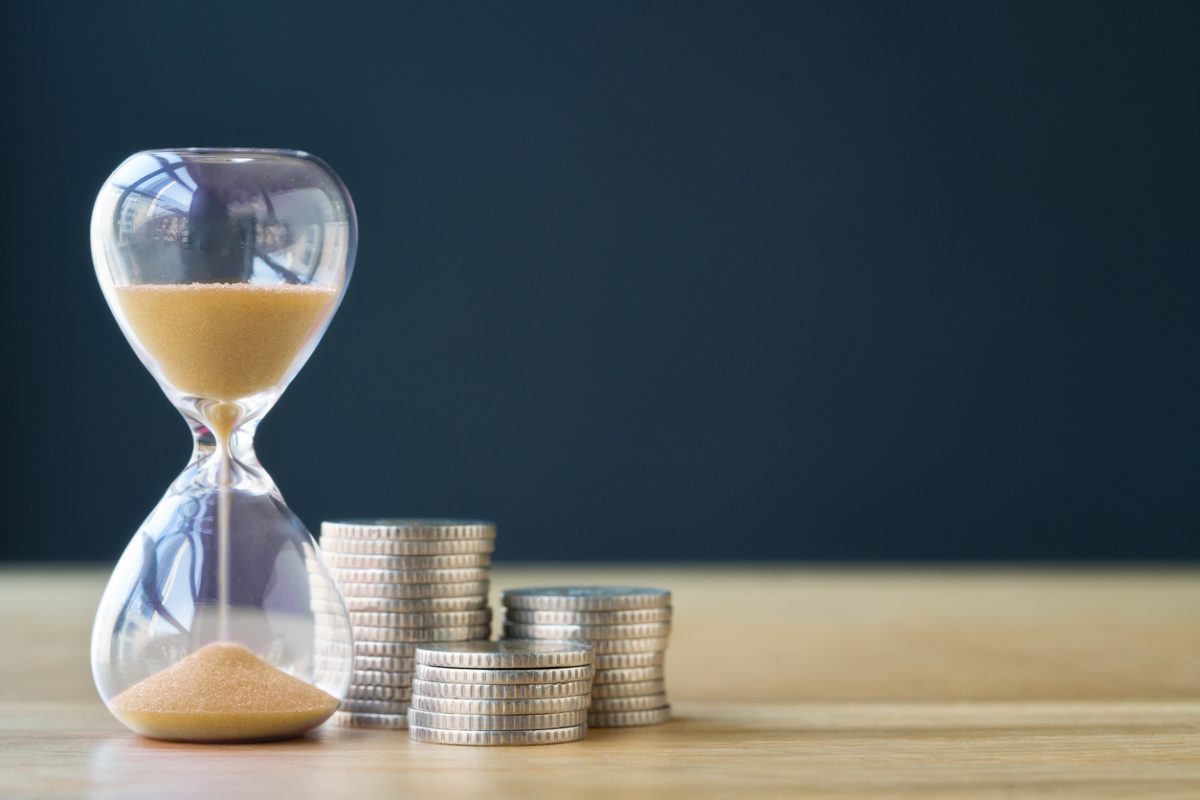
(626, 627)
(500, 693)
(405, 582)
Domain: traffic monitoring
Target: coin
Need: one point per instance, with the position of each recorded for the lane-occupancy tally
(329, 666)
(586, 598)
(412, 605)
(351, 561)
(508, 654)
(629, 689)
(375, 706)
(363, 648)
(646, 701)
(435, 619)
(375, 677)
(486, 738)
(452, 675)
(358, 692)
(458, 705)
(381, 663)
(610, 646)
(628, 675)
(410, 529)
(385, 721)
(324, 607)
(652, 658)
(629, 719)
(411, 590)
(457, 633)
(495, 722)
(627, 617)
(382, 547)
(457, 575)
(588, 633)
(499, 691)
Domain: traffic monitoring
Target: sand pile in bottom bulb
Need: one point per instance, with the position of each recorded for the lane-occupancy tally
(222, 693)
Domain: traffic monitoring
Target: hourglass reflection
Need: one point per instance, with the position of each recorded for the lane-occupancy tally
(223, 269)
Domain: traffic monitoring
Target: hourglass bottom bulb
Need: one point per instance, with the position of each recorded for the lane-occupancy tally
(223, 693)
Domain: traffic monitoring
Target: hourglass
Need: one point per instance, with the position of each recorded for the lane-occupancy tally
(223, 269)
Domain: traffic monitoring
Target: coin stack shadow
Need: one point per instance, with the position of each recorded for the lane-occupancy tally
(501, 693)
(404, 582)
(628, 629)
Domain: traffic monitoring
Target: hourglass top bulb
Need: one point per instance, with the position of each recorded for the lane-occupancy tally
(223, 267)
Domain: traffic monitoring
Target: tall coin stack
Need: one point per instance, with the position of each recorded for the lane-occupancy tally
(501, 693)
(626, 627)
(405, 582)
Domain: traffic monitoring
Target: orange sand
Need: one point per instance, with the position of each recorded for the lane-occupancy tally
(224, 341)
(222, 693)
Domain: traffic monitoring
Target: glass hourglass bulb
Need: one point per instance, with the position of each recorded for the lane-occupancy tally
(223, 269)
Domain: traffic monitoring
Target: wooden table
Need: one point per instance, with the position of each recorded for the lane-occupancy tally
(786, 682)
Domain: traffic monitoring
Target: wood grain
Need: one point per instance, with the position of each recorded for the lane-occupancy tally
(787, 682)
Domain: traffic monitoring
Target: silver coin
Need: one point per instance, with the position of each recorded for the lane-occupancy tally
(458, 705)
(434, 619)
(610, 646)
(509, 654)
(330, 666)
(489, 738)
(405, 576)
(628, 617)
(339, 652)
(588, 633)
(379, 547)
(414, 605)
(629, 689)
(388, 693)
(641, 703)
(411, 590)
(500, 691)
(327, 607)
(653, 658)
(495, 722)
(351, 561)
(395, 680)
(376, 677)
(375, 706)
(409, 529)
(629, 719)
(332, 649)
(384, 721)
(459, 633)
(586, 598)
(362, 648)
(628, 675)
(382, 663)
(332, 627)
(553, 675)
(399, 649)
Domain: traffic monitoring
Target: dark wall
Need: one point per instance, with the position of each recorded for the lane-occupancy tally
(653, 280)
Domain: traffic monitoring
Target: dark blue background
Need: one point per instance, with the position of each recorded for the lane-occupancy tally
(653, 280)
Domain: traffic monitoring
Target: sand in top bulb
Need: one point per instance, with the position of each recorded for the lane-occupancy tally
(224, 341)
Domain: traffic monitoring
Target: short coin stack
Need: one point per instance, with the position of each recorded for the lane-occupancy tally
(626, 627)
(501, 693)
(405, 582)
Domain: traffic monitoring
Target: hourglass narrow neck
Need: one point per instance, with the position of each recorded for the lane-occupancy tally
(223, 451)
(208, 439)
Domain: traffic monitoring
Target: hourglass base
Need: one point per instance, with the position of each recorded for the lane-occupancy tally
(209, 628)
